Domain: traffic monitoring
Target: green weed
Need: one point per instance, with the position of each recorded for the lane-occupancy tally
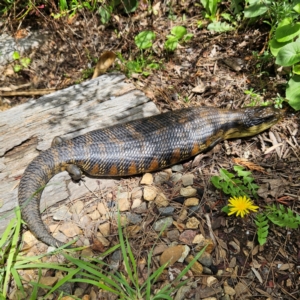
(178, 33)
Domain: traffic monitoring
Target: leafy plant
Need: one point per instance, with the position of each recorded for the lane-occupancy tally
(178, 33)
(282, 16)
(236, 184)
(144, 39)
(24, 62)
(261, 223)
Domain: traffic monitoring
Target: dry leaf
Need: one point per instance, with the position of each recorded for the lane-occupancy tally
(104, 62)
(250, 165)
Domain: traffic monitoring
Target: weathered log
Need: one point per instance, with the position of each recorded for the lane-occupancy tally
(29, 128)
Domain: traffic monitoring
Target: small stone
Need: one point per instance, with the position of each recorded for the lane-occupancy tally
(242, 291)
(188, 192)
(171, 255)
(48, 280)
(136, 193)
(177, 168)
(229, 290)
(104, 228)
(196, 268)
(147, 179)
(192, 223)
(123, 201)
(176, 177)
(149, 193)
(205, 259)
(208, 292)
(182, 292)
(191, 202)
(132, 230)
(207, 271)
(182, 216)
(198, 239)
(85, 221)
(161, 200)
(69, 229)
(102, 208)
(77, 207)
(185, 253)
(159, 249)
(161, 177)
(62, 214)
(187, 179)
(134, 218)
(211, 280)
(136, 203)
(163, 224)
(105, 242)
(95, 215)
(187, 236)
(173, 235)
(166, 211)
(141, 209)
(206, 242)
(30, 239)
(116, 256)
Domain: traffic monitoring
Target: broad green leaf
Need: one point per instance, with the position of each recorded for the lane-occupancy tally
(289, 54)
(220, 27)
(188, 37)
(276, 46)
(179, 31)
(16, 55)
(296, 8)
(130, 5)
(144, 39)
(256, 9)
(171, 43)
(296, 69)
(287, 32)
(293, 92)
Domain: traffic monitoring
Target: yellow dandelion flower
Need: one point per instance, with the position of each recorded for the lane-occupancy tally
(241, 205)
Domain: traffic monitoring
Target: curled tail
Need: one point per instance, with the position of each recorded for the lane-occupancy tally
(35, 178)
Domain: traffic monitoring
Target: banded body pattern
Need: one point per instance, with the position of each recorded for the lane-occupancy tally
(136, 147)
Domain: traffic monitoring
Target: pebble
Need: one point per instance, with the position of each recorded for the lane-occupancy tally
(123, 203)
(196, 268)
(229, 290)
(208, 292)
(62, 214)
(192, 223)
(149, 193)
(182, 216)
(173, 235)
(95, 215)
(161, 200)
(176, 177)
(173, 254)
(159, 249)
(188, 192)
(187, 236)
(187, 179)
(136, 193)
(134, 218)
(116, 256)
(147, 179)
(102, 208)
(166, 211)
(163, 224)
(205, 259)
(77, 207)
(206, 242)
(177, 168)
(141, 209)
(69, 229)
(191, 202)
(182, 292)
(136, 203)
(104, 228)
(207, 271)
(211, 280)
(161, 177)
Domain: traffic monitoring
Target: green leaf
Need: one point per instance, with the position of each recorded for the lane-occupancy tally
(296, 8)
(293, 92)
(296, 69)
(171, 43)
(289, 54)
(16, 55)
(17, 68)
(220, 27)
(256, 9)
(144, 39)
(179, 31)
(225, 209)
(25, 61)
(188, 37)
(287, 32)
(275, 46)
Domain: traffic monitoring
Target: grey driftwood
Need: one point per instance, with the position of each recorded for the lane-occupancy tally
(27, 129)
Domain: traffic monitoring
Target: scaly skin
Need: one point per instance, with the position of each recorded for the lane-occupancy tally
(136, 147)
